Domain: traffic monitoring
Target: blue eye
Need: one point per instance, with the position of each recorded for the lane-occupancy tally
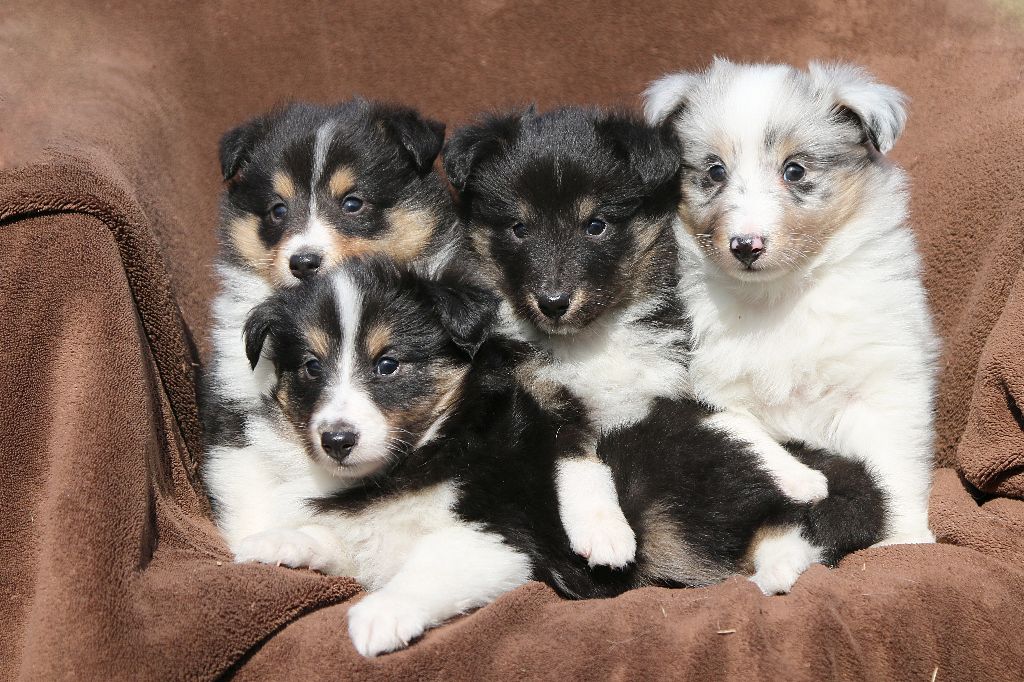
(278, 212)
(386, 366)
(519, 230)
(352, 204)
(596, 227)
(717, 173)
(313, 369)
(793, 172)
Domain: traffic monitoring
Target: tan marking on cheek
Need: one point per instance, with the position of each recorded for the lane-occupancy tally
(410, 232)
(445, 392)
(319, 342)
(342, 181)
(804, 231)
(378, 338)
(245, 238)
(283, 185)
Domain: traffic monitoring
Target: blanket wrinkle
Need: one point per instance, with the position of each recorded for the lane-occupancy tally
(109, 122)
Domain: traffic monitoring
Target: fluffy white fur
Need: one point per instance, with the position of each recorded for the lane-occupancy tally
(837, 351)
(781, 559)
(589, 508)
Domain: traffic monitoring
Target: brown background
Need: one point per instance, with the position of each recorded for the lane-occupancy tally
(111, 238)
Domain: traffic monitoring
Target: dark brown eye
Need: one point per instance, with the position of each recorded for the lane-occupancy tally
(596, 227)
(386, 366)
(519, 230)
(313, 369)
(717, 173)
(793, 172)
(278, 212)
(352, 204)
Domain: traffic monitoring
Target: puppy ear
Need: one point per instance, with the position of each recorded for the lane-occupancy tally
(467, 312)
(472, 144)
(261, 321)
(667, 96)
(652, 152)
(421, 137)
(879, 109)
(237, 145)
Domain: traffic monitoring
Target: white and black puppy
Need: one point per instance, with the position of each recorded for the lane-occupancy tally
(385, 453)
(801, 274)
(309, 186)
(570, 214)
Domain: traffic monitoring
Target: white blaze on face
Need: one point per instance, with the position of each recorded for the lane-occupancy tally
(317, 238)
(347, 405)
(748, 107)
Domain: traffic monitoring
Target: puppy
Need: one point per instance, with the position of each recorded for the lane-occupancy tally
(801, 273)
(309, 186)
(570, 213)
(396, 445)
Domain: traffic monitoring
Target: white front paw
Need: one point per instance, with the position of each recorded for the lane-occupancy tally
(603, 537)
(801, 483)
(919, 537)
(778, 578)
(381, 623)
(283, 547)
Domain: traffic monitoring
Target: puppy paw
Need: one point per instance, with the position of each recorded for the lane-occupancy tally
(918, 537)
(777, 578)
(381, 623)
(802, 484)
(604, 538)
(283, 547)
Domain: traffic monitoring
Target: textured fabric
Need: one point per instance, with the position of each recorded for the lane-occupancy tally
(109, 119)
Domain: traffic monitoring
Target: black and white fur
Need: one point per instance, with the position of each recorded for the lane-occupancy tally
(801, 273)
(308, 186)
(444, 497)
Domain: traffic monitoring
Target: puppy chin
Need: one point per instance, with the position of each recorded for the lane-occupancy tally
(761, 271)
(353, 468)
(566, 325)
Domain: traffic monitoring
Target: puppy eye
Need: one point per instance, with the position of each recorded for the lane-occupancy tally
(596, 227)
(717, 173)
(352, 204)
(519, 230)
(313, 369)
(277, 213)
(793, 172)
(386, 366)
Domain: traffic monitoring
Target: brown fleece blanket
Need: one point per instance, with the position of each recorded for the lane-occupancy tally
(109, 117)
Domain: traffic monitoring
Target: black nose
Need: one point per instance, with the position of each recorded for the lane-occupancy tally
(338, 444)
(553, 305)
(747, 248)
(304, 264)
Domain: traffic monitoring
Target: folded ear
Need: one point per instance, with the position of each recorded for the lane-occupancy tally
(421, 137)
(653, 152)
(260, 323)
(879, 109)
(666, 96)
(472, 144)
(467, 312)
(237, 145)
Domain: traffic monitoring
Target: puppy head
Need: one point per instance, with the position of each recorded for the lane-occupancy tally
(309, 186)
(370, 360)
(775, 160)
(567, 210)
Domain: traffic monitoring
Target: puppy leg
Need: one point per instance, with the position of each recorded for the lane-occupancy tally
(899, 454)
(780, 556)
(591, 515)
(448, 572)
(309, 546)
(797, 481)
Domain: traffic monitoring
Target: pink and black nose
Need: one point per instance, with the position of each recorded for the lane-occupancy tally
(554, 304)
(304, 265)
(747, 248)
(338, 444)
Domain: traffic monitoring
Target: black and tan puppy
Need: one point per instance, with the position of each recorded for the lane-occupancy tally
(396, 446)
(307, 187)
(571, 215)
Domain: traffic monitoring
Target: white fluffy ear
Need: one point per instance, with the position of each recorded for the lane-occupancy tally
(881, 108)
(664, 95)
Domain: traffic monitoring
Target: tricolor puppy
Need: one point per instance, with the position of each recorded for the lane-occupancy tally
(570, 213)
(396, 446)
(309, 186)
(801, 273)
